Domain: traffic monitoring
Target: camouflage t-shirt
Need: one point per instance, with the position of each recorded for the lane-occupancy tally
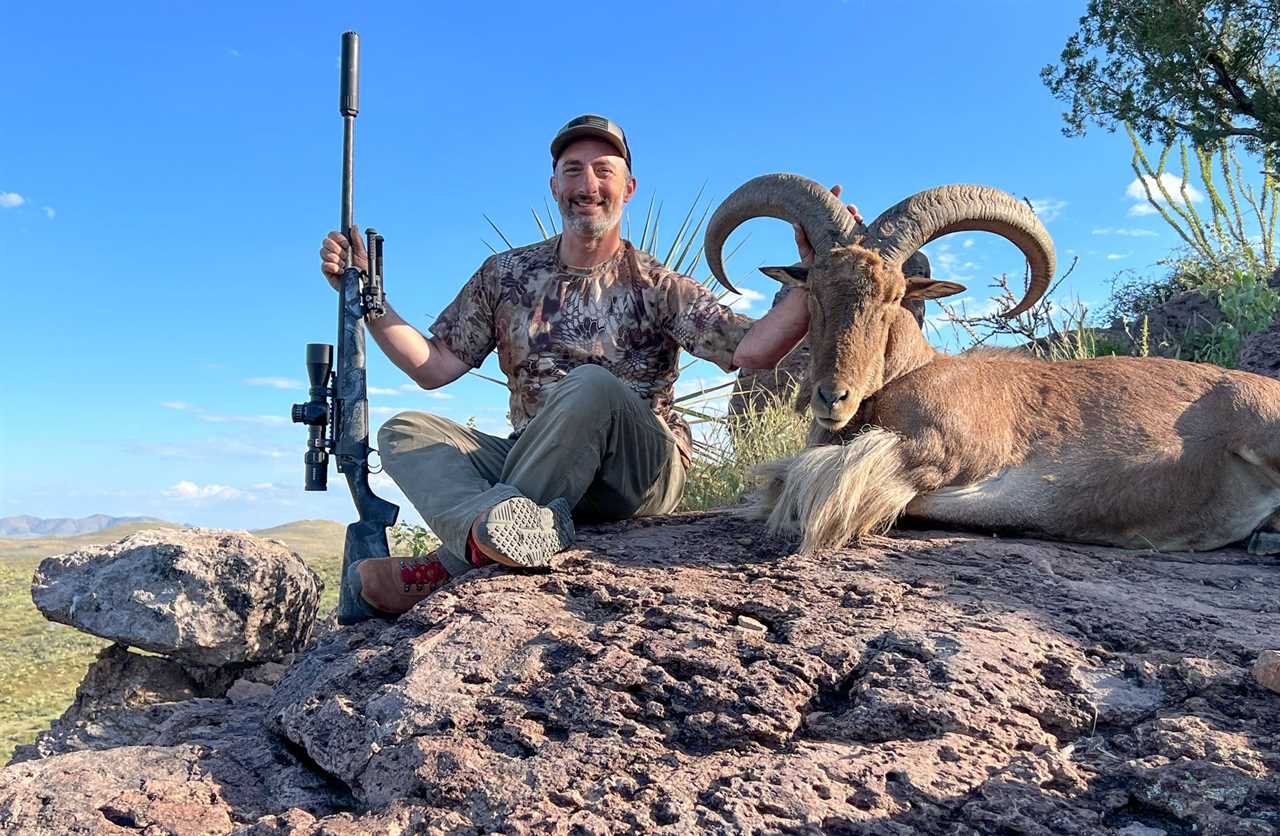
(629, 315)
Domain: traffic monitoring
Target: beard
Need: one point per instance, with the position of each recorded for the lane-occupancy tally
(593, 227)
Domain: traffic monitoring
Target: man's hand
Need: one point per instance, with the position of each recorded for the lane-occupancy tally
(802, 242)
(333, 254)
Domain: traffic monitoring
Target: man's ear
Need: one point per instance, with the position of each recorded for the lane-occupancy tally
(919, 287)
(793, 275)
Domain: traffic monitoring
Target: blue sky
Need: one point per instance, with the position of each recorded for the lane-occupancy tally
(167, 171)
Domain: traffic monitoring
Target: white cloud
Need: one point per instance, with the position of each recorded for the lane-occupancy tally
(235, 53)
(1116, 256)
(967, 243)
(1128, 232)
(1047, 208)
(186, 489)
(49, 212)
(410, 388)
(215, 448)
(276, 382)
(966, 307)
(218, 418)
(745, 299)
(240, 448)
(1173, 184)
(948, 265)
(10, 200)
(430, 393)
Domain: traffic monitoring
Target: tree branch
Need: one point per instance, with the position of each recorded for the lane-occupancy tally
(1244, 105)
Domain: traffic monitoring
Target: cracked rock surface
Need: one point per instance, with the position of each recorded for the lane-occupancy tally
(689, 674)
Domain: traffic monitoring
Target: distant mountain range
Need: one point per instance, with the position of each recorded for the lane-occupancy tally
(26, 526)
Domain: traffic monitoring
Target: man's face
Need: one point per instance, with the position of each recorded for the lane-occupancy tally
(591, 186)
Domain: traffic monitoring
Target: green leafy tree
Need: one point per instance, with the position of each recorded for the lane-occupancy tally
(1204, 70)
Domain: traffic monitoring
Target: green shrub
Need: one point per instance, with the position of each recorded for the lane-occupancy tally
(1132, 295)
(416, 540)
(1248, 305)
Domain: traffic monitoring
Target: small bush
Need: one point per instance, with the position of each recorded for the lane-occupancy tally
(416, 540)
(1132, 295)
(1248, 304)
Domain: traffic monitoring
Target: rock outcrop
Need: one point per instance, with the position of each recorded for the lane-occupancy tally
(1260, 353)
(207, 598)
(690, 674)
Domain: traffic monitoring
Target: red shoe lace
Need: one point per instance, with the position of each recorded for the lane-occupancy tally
(423, 573)
(474, 555)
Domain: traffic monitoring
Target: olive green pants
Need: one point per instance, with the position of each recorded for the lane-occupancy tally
(594, 442)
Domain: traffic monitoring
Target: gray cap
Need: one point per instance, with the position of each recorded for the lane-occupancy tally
(590, 126)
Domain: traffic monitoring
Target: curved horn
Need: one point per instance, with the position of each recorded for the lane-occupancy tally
(825, 220)
(930, 214)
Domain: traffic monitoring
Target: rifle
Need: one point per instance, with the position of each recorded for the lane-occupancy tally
(337, 413)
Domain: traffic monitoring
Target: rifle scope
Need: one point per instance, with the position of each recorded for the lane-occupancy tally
(315, 414)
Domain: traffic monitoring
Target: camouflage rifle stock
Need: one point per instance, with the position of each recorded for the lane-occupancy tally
(341, 400)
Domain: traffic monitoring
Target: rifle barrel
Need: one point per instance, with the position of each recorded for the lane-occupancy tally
(349, 106)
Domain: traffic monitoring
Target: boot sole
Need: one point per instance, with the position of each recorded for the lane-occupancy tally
(519, 532)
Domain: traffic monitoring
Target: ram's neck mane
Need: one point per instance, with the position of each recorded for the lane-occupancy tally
(906, 349)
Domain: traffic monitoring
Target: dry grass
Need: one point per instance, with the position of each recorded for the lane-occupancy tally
(724, 464)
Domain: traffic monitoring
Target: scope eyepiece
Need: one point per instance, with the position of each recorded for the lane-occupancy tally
(317, 464)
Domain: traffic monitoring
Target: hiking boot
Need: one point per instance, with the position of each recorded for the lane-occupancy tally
(389, 586)
(520, 532)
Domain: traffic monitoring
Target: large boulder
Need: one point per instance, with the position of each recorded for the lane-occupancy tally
(206, 597)
(690, 674)
(1261, 352)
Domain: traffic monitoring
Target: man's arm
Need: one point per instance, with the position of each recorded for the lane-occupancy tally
(774, 335)
(428, 362)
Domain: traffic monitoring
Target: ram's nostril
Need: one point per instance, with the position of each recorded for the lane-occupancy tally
(832, 398)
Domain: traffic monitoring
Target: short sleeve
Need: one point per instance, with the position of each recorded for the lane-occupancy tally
(700, 324)
(467, 325)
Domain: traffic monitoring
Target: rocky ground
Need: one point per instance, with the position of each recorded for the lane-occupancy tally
(690, 674)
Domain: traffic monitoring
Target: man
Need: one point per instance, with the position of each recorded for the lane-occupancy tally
(587, 330)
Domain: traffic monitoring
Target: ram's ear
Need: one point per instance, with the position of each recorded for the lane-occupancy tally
(793, 275)
(919, 287)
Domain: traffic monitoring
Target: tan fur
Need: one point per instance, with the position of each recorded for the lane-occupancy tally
(837, 493)
(1132, 452)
